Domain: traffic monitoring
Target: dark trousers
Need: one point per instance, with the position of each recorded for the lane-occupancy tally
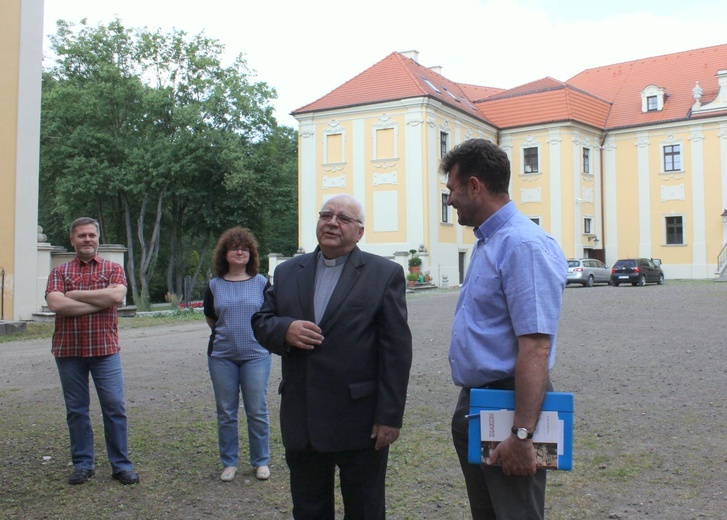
(363, 477)
(492, 494)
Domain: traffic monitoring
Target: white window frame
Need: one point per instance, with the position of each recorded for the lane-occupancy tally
(666, 229)
(537, 150)
(446, 210)
(670, 141)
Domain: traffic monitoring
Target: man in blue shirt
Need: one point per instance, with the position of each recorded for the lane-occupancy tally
(503, 335)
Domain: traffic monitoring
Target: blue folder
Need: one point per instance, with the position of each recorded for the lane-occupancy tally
(486, 399)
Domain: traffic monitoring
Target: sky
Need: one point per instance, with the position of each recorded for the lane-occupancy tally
(305, 49)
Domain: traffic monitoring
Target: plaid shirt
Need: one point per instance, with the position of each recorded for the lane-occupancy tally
(91, 334)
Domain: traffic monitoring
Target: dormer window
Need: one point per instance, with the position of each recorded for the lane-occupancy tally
(431, 85)
(652, 99)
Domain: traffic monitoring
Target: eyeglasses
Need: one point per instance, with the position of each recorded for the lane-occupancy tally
(327, 216)
(240, 249)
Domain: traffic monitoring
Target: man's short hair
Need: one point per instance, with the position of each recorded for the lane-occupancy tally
(482, 159)
(82, 221)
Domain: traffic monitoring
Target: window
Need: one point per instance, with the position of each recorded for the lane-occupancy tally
(530, 160)
(652, 103)
(587, 225)
(445, 208)
(586, 160)
(535, 220)
(672, 158)
(443, 140)
(431, 85)
(674, 230)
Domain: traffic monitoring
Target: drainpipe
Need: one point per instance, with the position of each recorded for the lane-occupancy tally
(2, 293)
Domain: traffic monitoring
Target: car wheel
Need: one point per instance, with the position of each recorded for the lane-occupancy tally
(660, 281)
(589, 282)
(641, 281)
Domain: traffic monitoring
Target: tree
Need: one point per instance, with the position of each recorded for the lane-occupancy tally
(151, 133)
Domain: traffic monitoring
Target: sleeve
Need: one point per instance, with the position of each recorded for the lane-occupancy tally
(118, 277)
(395, 352)
(269, 328)
(209, 304)
(55, 282)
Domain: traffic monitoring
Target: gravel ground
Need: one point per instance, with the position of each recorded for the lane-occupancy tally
(646, 365)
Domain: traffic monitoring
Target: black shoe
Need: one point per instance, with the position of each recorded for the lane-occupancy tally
(80, 476)
(126, 477)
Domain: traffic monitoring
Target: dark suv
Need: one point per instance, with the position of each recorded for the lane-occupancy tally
(637, 271)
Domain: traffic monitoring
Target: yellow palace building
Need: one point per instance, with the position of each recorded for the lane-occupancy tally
(621, 161)
(21, 53)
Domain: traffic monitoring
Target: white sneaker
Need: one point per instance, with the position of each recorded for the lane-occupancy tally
(228, 474)
(262, 473)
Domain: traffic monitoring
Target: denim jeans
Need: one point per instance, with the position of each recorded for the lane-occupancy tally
(109, 383)
(229, 377)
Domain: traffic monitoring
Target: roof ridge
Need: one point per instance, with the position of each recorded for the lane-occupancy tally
(416, 81)
(647, 58)
(344, 83)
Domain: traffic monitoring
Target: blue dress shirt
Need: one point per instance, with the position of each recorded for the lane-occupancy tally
(513, 286)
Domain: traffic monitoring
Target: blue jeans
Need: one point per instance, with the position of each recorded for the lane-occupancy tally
(229, 377)
(109, 383)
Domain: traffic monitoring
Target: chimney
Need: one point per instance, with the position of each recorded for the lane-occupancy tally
(412, 55)
(437, 69)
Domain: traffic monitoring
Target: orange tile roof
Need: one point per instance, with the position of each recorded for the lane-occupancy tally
(543, 101)
(622, 83)
(393, 78)
(477, 93)
(604, 97)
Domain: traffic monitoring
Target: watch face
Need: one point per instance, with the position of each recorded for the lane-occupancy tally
(522, 434)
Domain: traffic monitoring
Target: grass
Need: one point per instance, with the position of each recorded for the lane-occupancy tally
(40, 330)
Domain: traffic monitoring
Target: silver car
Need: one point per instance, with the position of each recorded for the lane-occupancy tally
(588, 271)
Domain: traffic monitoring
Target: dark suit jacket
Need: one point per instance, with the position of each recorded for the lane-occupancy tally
(332, 395)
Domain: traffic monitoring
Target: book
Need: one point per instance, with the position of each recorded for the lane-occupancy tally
(491, 419)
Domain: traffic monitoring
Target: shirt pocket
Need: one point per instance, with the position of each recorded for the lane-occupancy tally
(100, 281)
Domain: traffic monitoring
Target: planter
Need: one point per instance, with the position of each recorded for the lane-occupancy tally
(415, 269)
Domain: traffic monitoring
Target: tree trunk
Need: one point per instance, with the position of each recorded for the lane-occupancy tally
(130, 265)
(148, 254)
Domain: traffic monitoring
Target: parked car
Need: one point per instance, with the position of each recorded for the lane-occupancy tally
(587, 271)
(637, 271)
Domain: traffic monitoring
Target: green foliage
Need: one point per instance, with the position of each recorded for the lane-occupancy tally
(152, 135)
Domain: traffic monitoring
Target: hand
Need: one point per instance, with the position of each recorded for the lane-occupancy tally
(384, 435)
(516, 457)
(303, 334)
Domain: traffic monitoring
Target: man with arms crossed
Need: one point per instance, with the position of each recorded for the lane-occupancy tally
(338, 319)
(84, 294)
(503, 335)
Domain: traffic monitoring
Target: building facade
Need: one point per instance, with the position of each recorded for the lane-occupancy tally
(626, 160)
(21, 53)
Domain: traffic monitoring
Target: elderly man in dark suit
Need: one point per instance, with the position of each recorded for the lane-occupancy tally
(338, 318)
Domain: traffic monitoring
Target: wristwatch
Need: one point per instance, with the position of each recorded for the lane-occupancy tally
(522, 433)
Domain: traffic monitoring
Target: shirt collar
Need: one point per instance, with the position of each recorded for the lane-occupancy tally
(490, 226)
(335, 262)
(96, 259)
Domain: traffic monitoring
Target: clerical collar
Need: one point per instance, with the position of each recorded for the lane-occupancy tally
(334, 261)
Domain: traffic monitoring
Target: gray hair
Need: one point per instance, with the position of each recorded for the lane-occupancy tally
(351, 200)
(83, 221)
